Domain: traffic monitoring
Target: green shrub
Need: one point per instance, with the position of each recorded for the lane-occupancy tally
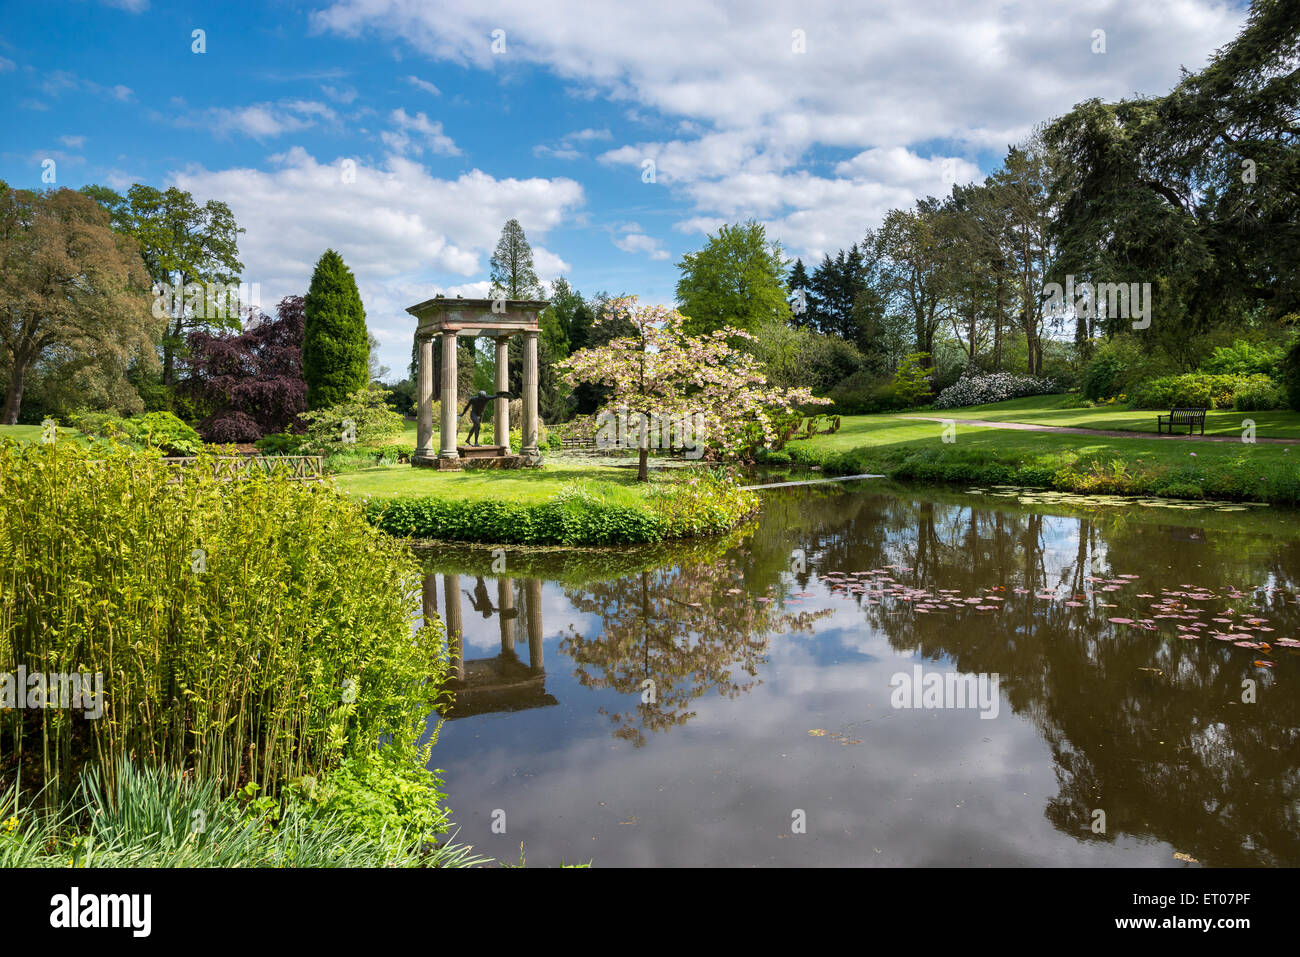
(1101, 377)
(252, 630)
(581, 514)
(1196, 389)
(1289, 371)
(1258, 394)
(387, 795)
(700, 503)
(912, 379)
(160, 430)
(1244, 358)
(773, 458)
(864, 394)
(280, 443)
(1120, 365)
(363, 418)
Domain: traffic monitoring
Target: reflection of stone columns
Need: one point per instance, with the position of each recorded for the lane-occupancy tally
(447, 433)
(530, 395)
(455, 646)
(506, 614)
(424, 396)
(533, 608)
(429, 594)
(501, 415)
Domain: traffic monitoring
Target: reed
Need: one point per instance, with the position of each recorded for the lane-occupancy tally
(246, 631)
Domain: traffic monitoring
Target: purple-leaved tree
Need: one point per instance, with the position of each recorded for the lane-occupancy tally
(252, 380)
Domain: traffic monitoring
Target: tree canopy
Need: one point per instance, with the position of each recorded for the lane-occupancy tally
(73, 295)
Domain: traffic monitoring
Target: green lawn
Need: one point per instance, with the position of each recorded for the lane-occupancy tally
(898, 435)
(1047, 410)
(618, 485)
(32, 433)
(915, 450)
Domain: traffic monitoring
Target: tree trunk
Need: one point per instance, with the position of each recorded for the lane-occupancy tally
(997, 329)
(643, 466)
(14, 397)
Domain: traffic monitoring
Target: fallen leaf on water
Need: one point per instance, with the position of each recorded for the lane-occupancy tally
(1180, 856)
(818, 732)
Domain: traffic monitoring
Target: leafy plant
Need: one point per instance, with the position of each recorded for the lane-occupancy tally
(912, 380)
(237, 624)
(362, 419)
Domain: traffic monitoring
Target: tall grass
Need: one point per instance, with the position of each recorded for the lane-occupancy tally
(149, 817)
(248, 631)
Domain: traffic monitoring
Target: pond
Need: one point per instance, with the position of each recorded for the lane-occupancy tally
(876, 675)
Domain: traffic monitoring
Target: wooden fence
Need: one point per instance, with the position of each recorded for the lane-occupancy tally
(298, 468)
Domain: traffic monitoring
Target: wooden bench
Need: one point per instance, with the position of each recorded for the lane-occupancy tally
(1192, 418)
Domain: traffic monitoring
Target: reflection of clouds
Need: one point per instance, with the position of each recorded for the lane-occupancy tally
(722, 789)
(907, 787)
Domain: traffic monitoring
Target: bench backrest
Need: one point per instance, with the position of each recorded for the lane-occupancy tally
(1188, 413)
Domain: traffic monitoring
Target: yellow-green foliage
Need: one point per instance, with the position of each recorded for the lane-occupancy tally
(253, 630)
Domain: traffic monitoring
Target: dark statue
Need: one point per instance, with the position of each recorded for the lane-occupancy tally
(475, 407)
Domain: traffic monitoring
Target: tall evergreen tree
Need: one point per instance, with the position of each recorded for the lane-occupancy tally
(800, 298)
(513, 274)
(336, 347)
(836, 285)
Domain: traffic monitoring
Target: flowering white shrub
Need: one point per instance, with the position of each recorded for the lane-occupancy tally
(994, 387)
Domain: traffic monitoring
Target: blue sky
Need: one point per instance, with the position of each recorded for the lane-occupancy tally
(455, 117)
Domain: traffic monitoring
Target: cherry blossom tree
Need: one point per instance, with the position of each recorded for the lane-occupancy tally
(673, 390)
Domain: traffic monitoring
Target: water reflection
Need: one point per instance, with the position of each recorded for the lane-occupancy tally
(502, 682)
(1128, 644)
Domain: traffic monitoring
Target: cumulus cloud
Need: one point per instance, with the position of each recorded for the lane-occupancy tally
(413, 134)
(631, 239)
(398, 227)
(751, 111)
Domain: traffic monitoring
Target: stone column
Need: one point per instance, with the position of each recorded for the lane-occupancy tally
(447, 433)
(506, 615)
(501, 416)
(424, 406)
(533, 609)
(455, 646)
(530, 395)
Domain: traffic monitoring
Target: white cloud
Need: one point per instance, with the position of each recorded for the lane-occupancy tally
(543, 151)
(424, 85)
(397, 227)
(631, 239)
(753, 115)
(344, 95)
(73, 142)
(258, 120)
(7, 64)
(430, 135)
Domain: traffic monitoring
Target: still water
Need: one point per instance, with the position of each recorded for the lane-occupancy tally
(737, 702)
